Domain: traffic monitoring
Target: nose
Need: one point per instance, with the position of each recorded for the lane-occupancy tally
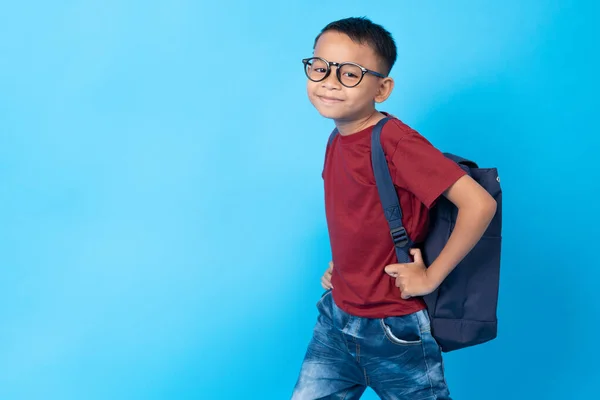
(331, 82)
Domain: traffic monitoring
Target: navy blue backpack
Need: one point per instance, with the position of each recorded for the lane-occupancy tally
(463, 309)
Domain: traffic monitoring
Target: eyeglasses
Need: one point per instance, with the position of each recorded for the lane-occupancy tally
(349, 74)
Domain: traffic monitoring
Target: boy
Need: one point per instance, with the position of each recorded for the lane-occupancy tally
(373, 328)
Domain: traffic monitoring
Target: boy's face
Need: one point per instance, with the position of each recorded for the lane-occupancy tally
(336, 101)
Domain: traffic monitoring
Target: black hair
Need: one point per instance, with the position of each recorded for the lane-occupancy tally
(363, 31)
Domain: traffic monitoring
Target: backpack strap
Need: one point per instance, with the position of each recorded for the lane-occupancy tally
(388, 196)
(332, 136)
(461, 161)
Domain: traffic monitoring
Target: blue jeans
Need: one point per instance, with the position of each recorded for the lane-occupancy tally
(396, 356)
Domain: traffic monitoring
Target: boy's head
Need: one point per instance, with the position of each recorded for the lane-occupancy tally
(349, 91)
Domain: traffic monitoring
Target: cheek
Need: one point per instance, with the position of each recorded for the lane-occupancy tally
(360, 96)
(310, 87)
(311, 91)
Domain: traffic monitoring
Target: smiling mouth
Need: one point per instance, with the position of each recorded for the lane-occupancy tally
(329, 100)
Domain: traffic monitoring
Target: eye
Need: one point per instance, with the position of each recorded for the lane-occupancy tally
(350, 73)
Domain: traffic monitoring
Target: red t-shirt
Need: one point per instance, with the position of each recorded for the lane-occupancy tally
(360, 239)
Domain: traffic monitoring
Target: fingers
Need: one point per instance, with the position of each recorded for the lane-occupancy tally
(393, 269)
(417, 256)
(326, 278)
(400, 282)
(396, 271)
(401, 285)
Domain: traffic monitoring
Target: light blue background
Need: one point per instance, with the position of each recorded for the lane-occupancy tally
(162, 231)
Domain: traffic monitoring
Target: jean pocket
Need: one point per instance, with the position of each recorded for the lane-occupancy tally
(325, 294)
(403, 331)
(323, 298)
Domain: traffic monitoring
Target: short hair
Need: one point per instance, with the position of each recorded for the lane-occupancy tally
(363, 31)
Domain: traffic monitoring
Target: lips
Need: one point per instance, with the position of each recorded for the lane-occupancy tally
(329, 100)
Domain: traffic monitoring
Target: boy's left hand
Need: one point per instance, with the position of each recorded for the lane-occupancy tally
(412, 278)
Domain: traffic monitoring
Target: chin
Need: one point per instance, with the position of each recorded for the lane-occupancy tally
(331, 112)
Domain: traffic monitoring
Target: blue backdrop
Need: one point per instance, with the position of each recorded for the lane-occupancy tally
(162, 230)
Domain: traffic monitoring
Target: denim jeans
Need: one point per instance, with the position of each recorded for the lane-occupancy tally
(396, 356)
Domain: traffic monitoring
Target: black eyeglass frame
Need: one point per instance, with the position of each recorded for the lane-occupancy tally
(339, 66)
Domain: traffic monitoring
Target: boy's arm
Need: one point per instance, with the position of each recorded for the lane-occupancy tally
(476, 208)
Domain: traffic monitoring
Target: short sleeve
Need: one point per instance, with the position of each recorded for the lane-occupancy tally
(328, 148)
(422, 169)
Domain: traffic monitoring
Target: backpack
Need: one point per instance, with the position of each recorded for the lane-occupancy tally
(463, 308)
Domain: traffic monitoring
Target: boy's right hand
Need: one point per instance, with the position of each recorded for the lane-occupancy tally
(326, 278)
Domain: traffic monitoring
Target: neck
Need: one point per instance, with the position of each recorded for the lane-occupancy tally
(348, 127)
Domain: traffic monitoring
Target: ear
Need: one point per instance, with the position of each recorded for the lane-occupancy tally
(386, 85)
